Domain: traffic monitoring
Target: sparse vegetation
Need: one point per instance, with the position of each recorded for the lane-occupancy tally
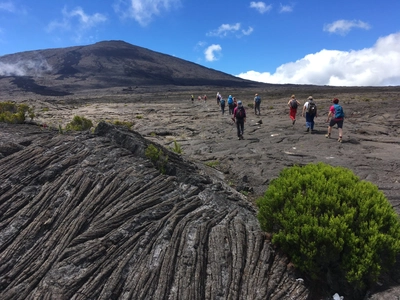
(157, 157)
(330, 222)
(11, 112)
(79, 123)
(251, 105)
(177, 148)
(124, 123)
(212, 163)
(139, 117)
(45, 109)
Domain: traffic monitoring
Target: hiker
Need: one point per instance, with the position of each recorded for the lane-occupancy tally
(336, 115)
(218, 98)
(293, 104)
(257, 102)
(234, 103)
(239, 117)
(205, 98)
(222, 103)
(310, 110)
(230, 104)
(192, 98)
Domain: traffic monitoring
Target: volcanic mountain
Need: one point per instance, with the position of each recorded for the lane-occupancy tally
(106, 64)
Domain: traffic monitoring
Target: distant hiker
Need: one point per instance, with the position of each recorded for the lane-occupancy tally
(337, 117)
(199, 98)
(234, 103)
(293, 104)
(222, 103)
(310, 110)
(257, 103)
(239, 117)
(230, 104)
(219, 97)
(205, 98)
(192, 98)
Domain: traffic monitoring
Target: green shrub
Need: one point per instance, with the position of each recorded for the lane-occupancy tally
(212, 163)
(157, 157)
(124, 123)
(251, 105)
(79, 124)
(329, 221)
(15, 113)
(177, 148)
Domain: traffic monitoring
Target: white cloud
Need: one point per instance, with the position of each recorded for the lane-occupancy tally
(260, 6)
(212, 52)
(84, 22)
(373, 66)
(143, 11)
(286, 8)
(224, 30)
(248, 31)
(344, 26)
(7, 6)
(25, 67)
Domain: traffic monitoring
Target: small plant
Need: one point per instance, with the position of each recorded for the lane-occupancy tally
(139, 117)
(153, 134)
(79, 124)
(124, 123)
(271, 107)
(330, 222)
(251, 105)
(15, 113)
(157, 157)
(212, 163)
(60, 129)
(177, 148)
(45, 109)
(246, 193)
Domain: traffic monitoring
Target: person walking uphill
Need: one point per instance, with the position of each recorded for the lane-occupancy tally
(239, 117)
(222, 103)
(310, 110)
(257, 103)
(293, 104)
(230, 104)
(336, 115)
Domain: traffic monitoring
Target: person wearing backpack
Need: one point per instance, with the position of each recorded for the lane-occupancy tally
(222, 103)
(310, 110)
(230, 104)
(218, 98)
(336, 116)
(257, 103)
(239, 117)
(293, 104)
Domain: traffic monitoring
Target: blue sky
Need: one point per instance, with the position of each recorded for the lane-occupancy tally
(341, 42)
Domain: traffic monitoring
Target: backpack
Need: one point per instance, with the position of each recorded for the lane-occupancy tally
(230, 100)
(258, 99)
(293, 103)
(239, 113)
(222, 102)
(339, 114)
(312, 108)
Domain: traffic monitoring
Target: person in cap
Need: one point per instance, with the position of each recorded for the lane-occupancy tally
(239, 117)
(336, 115)
(257, 103)
(310, 111)
(293, 104)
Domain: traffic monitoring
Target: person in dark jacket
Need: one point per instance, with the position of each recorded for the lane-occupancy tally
(239, 117)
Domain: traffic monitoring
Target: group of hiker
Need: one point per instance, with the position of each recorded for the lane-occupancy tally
(309, 111)
(237, 110)
(335, 115)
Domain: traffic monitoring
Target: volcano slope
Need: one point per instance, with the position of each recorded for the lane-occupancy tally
(88, 216)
